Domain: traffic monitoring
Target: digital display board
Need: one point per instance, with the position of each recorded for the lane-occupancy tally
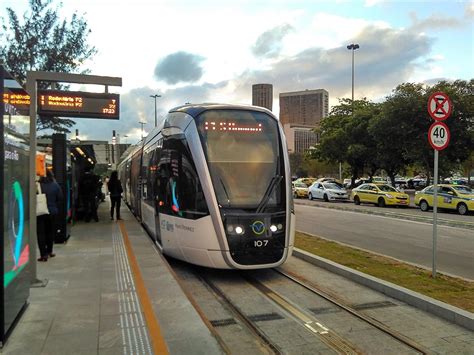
(14, 201)
(78, 104)
(67, 103)
(233, 127)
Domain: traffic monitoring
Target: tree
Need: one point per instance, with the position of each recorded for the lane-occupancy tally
(42, 41)
(407, 109)
(345, 136)
(396, 128)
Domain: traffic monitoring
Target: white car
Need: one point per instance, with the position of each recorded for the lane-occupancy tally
(327, 191)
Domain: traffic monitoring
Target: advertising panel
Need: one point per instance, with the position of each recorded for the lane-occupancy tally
(14, 197)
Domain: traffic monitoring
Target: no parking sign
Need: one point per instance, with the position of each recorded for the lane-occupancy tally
(439, 106)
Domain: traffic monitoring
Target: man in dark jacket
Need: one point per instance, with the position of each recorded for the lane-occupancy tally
(115, 188)
(88, 189)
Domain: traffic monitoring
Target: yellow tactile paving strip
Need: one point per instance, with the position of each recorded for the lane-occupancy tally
(157, 340)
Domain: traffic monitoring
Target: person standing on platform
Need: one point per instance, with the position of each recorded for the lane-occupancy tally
(46, 224)
(115, 189)
(89, 189)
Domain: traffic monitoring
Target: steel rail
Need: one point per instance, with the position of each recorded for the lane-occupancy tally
(339, 303)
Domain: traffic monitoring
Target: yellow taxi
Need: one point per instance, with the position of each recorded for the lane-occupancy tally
(379, 194)
(453, 197)
(300, 189)
(308, 181)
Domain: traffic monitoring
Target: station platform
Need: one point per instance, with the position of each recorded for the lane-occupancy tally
(108, 291)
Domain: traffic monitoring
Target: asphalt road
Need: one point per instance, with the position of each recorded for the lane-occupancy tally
(393, 234)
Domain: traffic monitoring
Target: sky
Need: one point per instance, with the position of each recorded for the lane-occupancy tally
(214, 50)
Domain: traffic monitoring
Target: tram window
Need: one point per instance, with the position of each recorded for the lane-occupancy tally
(179, 189)
(153, 176)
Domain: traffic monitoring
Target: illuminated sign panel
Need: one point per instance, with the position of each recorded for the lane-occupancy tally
(233, 127)
(67, 103)
(78, 104)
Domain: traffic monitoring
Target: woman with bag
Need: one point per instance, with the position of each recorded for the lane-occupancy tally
(45, 223)
(115, 189)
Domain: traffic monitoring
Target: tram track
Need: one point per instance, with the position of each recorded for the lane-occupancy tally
(233, 289)
(331, 297)
(196, 284)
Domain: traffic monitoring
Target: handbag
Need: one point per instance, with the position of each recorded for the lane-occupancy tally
(41, 202)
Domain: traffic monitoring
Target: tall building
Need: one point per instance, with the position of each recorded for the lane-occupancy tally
(262, 95)
(304, 107)
(300, 138)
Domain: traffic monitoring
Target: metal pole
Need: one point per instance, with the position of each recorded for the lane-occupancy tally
(155, 110)
(435, 211)
(353, 50)
(31, 88)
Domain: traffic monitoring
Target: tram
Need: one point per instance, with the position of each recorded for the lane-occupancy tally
(212, 186)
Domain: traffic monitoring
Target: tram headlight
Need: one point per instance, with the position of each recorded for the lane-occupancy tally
(273, 228)
(239, 230)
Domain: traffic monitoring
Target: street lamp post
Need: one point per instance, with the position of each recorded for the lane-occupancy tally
(155, 97)
(142, 123)
(353, 47)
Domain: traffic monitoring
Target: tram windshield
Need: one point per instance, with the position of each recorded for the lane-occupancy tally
(243, 154)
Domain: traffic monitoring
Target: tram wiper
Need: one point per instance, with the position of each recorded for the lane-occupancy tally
(273, 182)
(225, 190)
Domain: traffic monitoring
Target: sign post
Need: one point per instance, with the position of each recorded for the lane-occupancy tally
(439, 108)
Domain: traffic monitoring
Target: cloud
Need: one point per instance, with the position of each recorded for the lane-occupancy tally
(179, 67)
(137, 106)
(469, 10)
(371, 3)
(435, 21)
(268, 44)
(380, 65)
(386, 58)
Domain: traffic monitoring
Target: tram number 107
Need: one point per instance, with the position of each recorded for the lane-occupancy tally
(260, 243)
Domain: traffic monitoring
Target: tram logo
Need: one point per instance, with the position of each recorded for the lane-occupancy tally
(165, 225)
(258, 227)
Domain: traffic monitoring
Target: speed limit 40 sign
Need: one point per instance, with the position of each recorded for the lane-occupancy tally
(439, 135)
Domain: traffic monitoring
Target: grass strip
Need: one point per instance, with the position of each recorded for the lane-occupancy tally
(451, 290)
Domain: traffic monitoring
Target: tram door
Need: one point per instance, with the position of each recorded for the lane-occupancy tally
(149, 186)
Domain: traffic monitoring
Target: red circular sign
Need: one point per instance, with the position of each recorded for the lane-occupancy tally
(439, 135)
(439, 106)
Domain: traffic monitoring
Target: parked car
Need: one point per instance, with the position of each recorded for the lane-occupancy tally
(327, 191)
(360, 181)
(453, 197)
(416, 183)
(456, 180)
(308, 181)
(300, 189)
(379, 194)
(347, 183)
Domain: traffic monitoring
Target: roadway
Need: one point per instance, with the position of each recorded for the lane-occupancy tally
(405, 234)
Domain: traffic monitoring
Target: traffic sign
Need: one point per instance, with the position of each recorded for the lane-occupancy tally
(439, 135)
(439, 106)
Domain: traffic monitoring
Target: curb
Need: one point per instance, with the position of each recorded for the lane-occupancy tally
(443, 310)
(415, 218)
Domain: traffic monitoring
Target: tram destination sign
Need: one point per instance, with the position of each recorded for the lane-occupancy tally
(78, 104)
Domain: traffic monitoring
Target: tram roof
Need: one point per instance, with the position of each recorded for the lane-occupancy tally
(196, 109)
